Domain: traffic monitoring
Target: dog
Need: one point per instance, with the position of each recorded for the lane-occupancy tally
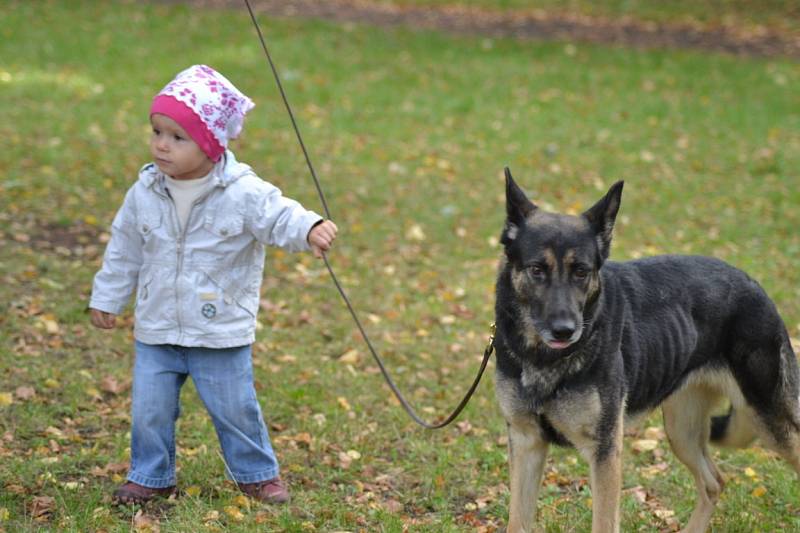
(585, 345)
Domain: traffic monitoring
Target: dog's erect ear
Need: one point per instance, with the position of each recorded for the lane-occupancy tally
(602, 215)
(518, 207)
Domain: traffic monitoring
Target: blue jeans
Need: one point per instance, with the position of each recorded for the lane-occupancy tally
(224, 381)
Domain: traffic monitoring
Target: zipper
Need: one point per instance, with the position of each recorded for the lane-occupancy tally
(181, 248)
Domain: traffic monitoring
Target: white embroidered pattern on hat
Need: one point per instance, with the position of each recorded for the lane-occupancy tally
(213, 98)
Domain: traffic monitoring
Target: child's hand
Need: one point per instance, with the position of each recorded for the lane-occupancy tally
(321, 237)
(103, 320)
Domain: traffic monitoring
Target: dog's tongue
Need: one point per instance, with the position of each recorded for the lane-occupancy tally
(558, 345)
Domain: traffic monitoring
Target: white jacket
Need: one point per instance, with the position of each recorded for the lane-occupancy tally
(200, 286)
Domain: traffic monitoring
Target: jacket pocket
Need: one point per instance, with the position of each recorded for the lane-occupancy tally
(236, 288)
(147, 224)
(143, 291)
(224, 225)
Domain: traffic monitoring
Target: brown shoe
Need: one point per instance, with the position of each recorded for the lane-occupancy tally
(270, 491)
(132, 492)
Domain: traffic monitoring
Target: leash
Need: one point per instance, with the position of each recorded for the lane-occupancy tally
(489, 347)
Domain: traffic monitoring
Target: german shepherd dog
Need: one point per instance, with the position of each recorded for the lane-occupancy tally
(584, 345)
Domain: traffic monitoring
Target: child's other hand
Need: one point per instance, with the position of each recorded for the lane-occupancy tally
(321, 237)
(103, 320)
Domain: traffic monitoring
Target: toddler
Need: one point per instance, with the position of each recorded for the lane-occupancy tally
(190, 239)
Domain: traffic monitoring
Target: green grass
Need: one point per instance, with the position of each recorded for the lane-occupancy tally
(776, 15)
(409, 131)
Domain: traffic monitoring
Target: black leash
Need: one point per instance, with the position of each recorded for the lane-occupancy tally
(489, 347)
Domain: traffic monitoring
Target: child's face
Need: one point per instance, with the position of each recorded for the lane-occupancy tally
(175, 153)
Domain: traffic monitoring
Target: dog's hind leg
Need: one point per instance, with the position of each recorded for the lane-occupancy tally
(527, 454)
(687, 422)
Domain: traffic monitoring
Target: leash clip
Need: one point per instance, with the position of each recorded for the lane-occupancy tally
(490, 345)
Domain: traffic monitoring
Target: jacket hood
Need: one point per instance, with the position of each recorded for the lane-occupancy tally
(225, 171)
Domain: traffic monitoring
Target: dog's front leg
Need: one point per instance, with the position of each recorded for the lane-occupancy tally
(606, 481)
(527, 454)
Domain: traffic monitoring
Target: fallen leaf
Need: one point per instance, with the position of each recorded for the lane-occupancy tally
(6, 399)
(110, 384)
(50, 324)
(343, 403)
(644, 445)
(234, 513)
(393, 506)
(144, 522)
(193, 491)
(415, 233)
(350, 357)
(242, 501)
(25, 393)
(759, 491)
(42, 507)
(664, 513)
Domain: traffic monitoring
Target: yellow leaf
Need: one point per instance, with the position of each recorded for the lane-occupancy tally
(94, 393)
(6, 399)
(50, 324)
(759, 491)
(749, 472)
(644, 445)
(51, 383)
(343, 403)
(234, 513)
(350, 357)
(211, 516)
(193, 491)
(242, 501)
(4, 514)
(415, 233)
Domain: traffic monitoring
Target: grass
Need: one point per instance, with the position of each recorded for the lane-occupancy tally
(777, 15)
(409, 132)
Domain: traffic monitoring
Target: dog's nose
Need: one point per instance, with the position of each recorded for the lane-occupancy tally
(562, 330)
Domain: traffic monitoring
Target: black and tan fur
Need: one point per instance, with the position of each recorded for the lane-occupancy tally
(584, 345)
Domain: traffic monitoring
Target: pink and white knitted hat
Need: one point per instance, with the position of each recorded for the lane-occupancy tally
(205, 104)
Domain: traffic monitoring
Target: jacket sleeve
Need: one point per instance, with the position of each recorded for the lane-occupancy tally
(279, 221)
(118, 276)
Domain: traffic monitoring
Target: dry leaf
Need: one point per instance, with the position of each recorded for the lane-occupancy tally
(143, 522)
(110, 384)
(350, 357)
(25, 393)
(759, 491)
(644, 445)
(415, 233)
(234, 512)
(393, 506)
(343, 403)
(42, 507)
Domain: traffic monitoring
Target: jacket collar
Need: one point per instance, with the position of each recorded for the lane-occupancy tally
(225, 172)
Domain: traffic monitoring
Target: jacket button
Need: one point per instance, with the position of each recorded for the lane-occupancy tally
(145, 228)
(224, 232)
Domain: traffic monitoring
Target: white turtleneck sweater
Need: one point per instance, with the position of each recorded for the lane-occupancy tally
(185, 192)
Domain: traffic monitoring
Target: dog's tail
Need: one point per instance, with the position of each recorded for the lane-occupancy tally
(732, 429)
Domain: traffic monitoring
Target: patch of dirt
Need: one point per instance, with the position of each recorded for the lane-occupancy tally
(532, 25)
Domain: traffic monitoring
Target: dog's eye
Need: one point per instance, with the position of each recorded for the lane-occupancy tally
(537, 271)
(580, 272)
